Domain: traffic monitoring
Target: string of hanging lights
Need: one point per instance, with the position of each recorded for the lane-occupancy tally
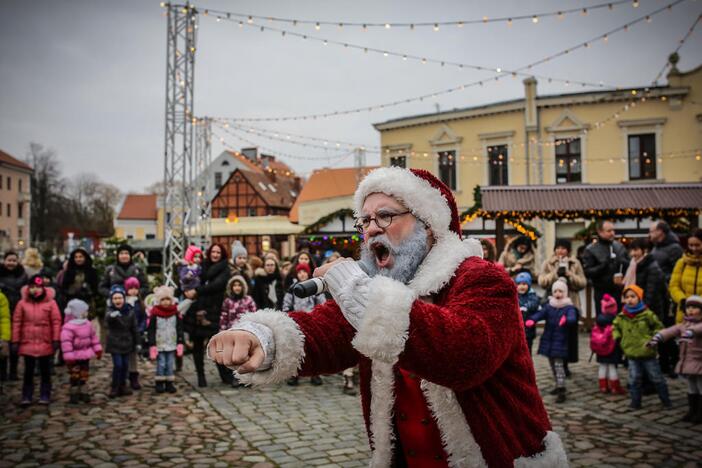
(274, 152)
(498, 72)
(295, 139)
(534, 18)
(681, 43)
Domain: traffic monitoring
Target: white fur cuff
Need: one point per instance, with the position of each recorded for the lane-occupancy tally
(553, 456)
(289, 347)
(385, 325)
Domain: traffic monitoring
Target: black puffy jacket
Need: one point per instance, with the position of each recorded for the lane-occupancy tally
(601, 260)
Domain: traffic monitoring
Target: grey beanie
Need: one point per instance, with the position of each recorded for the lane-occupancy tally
(77, 309)
(238, 250)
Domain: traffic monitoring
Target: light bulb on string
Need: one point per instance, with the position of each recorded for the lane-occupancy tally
(436, 27)
(534, 19)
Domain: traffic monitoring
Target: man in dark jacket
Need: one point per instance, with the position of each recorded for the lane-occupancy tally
(667, 251)
(605, 262)
(122, 269)
(666, 247)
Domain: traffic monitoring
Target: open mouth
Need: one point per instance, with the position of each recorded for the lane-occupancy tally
(382, 254)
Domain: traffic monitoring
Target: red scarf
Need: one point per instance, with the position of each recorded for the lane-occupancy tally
(164, 312)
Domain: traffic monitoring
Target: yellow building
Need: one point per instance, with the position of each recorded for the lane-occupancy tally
(627, 136)
(140, 218)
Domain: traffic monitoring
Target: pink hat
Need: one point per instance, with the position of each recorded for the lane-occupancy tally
(190, 253)
(131, 283)
(609, 305)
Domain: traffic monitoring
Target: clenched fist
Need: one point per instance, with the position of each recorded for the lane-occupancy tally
(236, 348)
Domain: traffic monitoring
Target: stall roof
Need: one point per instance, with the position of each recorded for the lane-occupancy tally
(250, 225)
(584, 200)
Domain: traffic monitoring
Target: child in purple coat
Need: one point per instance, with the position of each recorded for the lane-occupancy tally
(79, 344)
(558, 313)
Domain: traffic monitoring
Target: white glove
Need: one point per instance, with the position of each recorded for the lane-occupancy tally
(348, 285)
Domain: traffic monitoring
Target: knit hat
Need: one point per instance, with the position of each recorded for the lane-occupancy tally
(238, 250)
(429, 199)
(523, 277)
(163, 292)
(608, 305)
(131, 283)
(303, 266)
(76, 309)
(694, 300)
(190, 253)
(637, 290)
(117, 289)
(565, 243)
(123, 247)
(559, 285)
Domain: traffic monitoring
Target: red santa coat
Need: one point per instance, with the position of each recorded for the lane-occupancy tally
(467, 347)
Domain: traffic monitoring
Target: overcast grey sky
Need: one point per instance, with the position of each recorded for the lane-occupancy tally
(87, 78)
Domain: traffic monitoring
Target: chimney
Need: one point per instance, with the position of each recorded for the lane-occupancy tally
(531, 122)
(250, 153)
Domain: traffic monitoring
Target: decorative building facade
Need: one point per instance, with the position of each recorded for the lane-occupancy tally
(15, 199)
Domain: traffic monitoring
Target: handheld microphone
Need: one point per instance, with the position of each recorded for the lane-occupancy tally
(314, 286)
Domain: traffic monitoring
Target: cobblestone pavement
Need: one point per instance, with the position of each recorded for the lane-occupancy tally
(319, 426)
(144, 429)
(311, 426)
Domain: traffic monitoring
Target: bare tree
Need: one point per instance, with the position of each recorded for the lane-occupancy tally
(47, 188)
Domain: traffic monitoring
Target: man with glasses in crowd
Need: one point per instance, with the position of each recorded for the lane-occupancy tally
(446, 377)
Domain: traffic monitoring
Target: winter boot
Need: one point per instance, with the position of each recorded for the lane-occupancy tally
(697, 417)
(692, 403)
(74, 397)
(160, 386)
(235, 382)
(616, 388)
(316, 381)
(348, 386)
(114, 391)
(170, 387)
(83, 395)
(45, 394)
(201, 380)
(561, 398)
(27, 391)
(293, 381)
(603, 385)
(124, 390)
(134, 381)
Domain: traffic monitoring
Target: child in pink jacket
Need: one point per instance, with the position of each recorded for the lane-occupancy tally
(79, 344)
(36, 328)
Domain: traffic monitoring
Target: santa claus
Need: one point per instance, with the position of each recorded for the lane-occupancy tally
(446, 376)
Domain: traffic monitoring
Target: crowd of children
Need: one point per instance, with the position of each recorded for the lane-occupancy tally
(628, 337)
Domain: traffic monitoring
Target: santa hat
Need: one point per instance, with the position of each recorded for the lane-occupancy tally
(559, 285)
(305, 267)
(163, 292)
(429, 199)
(190, 253)
(694, 301)
(76, 309)
(608, 305)
(131, 283)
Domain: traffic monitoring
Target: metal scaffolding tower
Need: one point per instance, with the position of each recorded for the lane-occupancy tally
(203, 183)
(178, 152)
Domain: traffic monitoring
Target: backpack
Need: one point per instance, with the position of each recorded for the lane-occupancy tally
(601, 340)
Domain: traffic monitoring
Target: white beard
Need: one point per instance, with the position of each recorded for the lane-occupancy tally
(407, 256)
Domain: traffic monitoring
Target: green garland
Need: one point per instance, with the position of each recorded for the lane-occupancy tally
(324, 220)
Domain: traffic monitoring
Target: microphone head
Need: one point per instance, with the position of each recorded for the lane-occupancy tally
(307, 288)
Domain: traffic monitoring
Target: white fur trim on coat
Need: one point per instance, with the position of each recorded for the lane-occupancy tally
(457, 438)
(381, 410)
(553, 456)
(441, 263)
(289, 347)
(385, 325)
(423, 200)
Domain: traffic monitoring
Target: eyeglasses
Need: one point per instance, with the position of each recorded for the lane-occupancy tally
(382, 220)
